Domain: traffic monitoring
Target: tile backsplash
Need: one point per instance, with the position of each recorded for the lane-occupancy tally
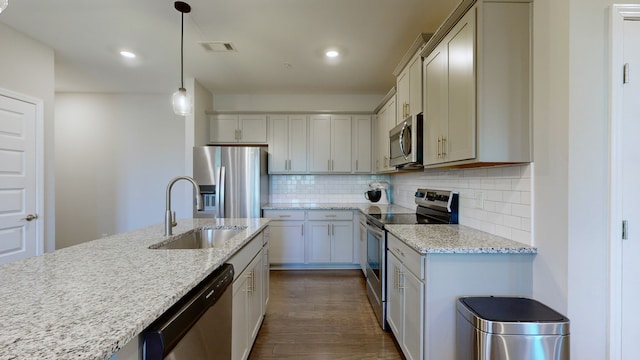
(496, 199)
(321, 188)
(493, 199)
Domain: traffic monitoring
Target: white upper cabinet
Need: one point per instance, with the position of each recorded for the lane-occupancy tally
(241, 128)
(330, 144)
(287, 144)
(477, 86)
(361, 144)
(385, 121)
(409, 80)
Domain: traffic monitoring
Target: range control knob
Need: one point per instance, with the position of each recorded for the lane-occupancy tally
(419, 194)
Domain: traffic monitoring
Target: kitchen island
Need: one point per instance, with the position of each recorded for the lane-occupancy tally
(89, 300)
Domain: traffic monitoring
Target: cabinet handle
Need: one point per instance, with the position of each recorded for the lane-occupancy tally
(399, 251)
(330, 215)
(333, 230)
(400, 280)
(301, 229)
(329, 165)
(328, 229)
(406, 110)
(444, 148)
(356, 165)
(439, 142)
(284, 216)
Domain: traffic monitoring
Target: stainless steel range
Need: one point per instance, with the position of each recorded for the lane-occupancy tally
(433, 207)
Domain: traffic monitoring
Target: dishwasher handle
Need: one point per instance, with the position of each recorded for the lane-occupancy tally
(165, 333)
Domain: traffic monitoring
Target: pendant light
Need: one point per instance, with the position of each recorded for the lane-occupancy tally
(3, 5)
(182, 101)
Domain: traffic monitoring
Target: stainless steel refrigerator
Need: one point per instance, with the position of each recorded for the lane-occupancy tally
(233, 180)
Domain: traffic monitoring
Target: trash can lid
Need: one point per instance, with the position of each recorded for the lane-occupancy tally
(514, 315)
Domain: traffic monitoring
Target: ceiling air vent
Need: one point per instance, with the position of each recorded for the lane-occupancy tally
(218, 46)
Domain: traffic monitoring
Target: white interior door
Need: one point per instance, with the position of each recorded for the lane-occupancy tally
(18, 180)
(630, 192)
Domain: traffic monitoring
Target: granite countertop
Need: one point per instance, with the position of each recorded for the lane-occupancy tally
(87, 301)
(456, 239)
(365, 208)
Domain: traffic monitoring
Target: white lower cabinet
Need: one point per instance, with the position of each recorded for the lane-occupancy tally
(287, 245)
(405, 301)
(312, 238)
(250, 294)
(362, 236)
(423, 289)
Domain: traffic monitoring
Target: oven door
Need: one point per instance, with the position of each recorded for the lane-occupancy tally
(375, 268)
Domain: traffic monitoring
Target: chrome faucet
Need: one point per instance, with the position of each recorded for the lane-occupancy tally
(169, 217)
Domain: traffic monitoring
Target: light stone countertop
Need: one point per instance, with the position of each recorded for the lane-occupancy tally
(456, 239)
(87, 301)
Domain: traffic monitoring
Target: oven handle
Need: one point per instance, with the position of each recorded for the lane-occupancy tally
(374, 229)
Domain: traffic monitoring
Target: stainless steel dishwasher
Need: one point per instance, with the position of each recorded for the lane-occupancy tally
(196, 327)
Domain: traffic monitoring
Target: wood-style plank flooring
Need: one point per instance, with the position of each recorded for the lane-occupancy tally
(321, 314)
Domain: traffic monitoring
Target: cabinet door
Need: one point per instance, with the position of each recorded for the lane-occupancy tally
(402, 95)
(298, 144)
(286, 242)
(363, 249)
(278, 144)
(222, 128)
(319, 242)
(340, 144)
(254, 290)
(415, 86)
(394, 296)
(320, 144)
(342, 242)
(253, 129)
(436, 105)
(391, 123)
(460, 144)
(266, 279)
(362, 135)
(240, 319)
(412, 339)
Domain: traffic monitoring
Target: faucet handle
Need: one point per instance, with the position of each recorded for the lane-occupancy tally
(174, 222)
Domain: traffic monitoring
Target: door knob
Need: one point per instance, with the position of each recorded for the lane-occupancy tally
(30, 217)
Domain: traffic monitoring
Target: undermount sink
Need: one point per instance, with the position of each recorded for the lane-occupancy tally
(202, 238)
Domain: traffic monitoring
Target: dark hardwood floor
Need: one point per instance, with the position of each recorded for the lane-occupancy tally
(321, 314)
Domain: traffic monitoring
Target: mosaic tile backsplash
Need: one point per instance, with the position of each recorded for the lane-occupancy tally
(495, 199)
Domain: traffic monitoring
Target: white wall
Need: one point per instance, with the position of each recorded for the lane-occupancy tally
(115, 155)
(571, 161)
(27, 67)
(297, 102)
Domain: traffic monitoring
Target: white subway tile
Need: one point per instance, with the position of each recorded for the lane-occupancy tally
(521, 210)
(511, 197)
(503, 231)
(493, 195)
(513, 222)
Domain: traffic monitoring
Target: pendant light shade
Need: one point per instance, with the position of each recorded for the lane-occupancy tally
(182, 100)
(3, 5)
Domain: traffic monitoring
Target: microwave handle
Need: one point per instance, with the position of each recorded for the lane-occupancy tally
(400, 138)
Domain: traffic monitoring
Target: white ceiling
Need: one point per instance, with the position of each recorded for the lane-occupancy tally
(87, 35)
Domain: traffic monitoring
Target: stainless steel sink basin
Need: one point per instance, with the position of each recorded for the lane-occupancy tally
(202, 238)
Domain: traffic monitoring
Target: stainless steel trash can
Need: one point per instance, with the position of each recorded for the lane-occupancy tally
(508, 328)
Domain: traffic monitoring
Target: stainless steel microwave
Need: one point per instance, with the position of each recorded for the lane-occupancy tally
(405, 143)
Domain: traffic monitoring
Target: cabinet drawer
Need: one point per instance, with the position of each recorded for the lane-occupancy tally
(330, 215)
(243, 257)
(411, 259)
(284, 214)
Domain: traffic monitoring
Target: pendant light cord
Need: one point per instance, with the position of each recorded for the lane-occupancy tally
(182, 52)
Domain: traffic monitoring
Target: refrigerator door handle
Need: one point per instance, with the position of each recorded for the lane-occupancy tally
(221, 191)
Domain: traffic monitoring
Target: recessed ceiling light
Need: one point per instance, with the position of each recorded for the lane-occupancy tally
(127, 54)
(332, 53)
